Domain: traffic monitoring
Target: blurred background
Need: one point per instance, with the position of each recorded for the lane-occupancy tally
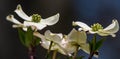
(88, 11)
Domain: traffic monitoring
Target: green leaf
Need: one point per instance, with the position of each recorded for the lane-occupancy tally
(99, 44)
(28, 37)
(92, 43)
(21, 34)
(37, 41)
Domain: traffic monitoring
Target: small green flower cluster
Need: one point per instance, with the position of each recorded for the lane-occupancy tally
(96, 27)
(36, 18)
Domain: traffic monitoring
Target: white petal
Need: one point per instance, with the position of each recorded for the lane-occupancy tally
(70, 48)
(52, 37)
(105, 33)
(17, 26)
(51, 20)
(12, 19)
(25, 28)
(39, 26)
(113, 27)
(86, 48)
(110, 30)
(84, 26)
(60, 35)
(92, 32)
(80, 29)
(113, 35)
(21, 13)
(78, 37)
(62, 50)
(44, 42)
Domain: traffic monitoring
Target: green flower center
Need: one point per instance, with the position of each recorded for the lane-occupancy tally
(96, 27)
(36, 18)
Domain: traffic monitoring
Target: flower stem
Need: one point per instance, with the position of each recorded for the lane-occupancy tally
(47, 55)
(54, 54)
(75, 54)
(31, 52)
(92, 47)
(91, 55)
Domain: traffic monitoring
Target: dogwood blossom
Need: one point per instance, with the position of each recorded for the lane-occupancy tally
(60, 40)
(33, 20)
(46, 43)
(97, 28)
(68, 43)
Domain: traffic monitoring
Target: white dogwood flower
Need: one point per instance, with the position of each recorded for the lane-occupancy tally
(97, 28)
(60, 40)
(46, 44)
(33, 20)
(69, 42)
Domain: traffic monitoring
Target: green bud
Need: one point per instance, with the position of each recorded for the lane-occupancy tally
(36, 18)
(96, 27)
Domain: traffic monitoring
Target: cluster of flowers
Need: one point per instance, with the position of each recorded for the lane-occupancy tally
(65, 44)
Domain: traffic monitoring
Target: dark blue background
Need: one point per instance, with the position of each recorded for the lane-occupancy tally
(88, 11)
